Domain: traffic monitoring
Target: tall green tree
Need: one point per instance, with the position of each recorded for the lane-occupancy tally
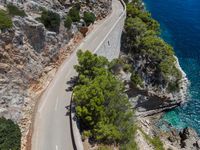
(101, 104)
(10, 135)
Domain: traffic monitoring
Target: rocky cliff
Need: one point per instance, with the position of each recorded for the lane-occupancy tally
(29, 52)
(156, 81)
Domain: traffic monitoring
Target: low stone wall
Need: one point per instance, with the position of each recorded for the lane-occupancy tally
(110, 48)
(75, 133)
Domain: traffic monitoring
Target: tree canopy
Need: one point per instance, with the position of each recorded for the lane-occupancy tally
(10, 135)
(89, 18)
(143, 41)
(101, 104)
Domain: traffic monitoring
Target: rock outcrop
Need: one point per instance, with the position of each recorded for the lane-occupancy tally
(186, 139)
(152, 99)
(182, 139)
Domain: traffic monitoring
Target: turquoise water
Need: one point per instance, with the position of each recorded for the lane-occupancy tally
(180, 24)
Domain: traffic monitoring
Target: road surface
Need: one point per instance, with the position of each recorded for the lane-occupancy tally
(52, 125)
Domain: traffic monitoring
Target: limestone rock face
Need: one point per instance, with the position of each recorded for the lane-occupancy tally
(153, 96)
(34, 32)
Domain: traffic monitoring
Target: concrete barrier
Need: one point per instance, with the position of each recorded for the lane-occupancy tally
(74, 127)
(110, 48)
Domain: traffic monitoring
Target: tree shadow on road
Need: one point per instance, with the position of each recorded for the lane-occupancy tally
(70, 86)
(71, 83)
(71, 109)
(68, 109)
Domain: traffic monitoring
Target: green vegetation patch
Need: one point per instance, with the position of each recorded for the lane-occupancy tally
(119, 63)
(68, 22)
(155, 141)
(10, 135)
(136, 79)
(143, 42)
(104, 147)
(15, 11)
(102, 106)
(74, 13)
(5, 20)
(89, 18)
(131, 145)
(51, 20)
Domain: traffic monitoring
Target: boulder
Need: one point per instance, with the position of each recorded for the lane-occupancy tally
(189, 139)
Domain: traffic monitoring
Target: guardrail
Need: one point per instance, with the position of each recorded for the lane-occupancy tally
(71, 125)
(75, 134)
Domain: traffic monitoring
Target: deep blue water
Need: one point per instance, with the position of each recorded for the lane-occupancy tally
(180, 24)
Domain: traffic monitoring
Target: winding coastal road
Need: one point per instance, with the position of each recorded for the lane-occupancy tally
(52, 125)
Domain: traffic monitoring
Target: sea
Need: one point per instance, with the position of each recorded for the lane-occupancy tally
(180, 27)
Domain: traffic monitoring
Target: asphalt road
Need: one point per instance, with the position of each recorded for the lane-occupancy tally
(52, 125)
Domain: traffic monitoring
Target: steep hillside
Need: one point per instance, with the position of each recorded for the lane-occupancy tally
(36, 36)
(156, 80)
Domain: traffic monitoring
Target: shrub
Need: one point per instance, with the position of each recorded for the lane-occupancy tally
(131, 144)
(169, 69)
(155, 141)
(86, 134)
(89, 18)
(15, 11)
(173, 86)
(117, 64)
(68, 22)
(51, 20)
(136, 79)
(10, 135)
(74, 14)
(5, 20)
(104, 147)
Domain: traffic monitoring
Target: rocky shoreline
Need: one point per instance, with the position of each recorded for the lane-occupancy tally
(176, 99)
(185, 139)
(175, 139)
(184, 82)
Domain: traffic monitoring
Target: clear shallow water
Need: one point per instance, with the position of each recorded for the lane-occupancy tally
(180, 24)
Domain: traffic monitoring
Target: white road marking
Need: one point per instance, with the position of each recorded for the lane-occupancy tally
(56, 103)
(50, 98)
(108, 33)
(47, 95)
